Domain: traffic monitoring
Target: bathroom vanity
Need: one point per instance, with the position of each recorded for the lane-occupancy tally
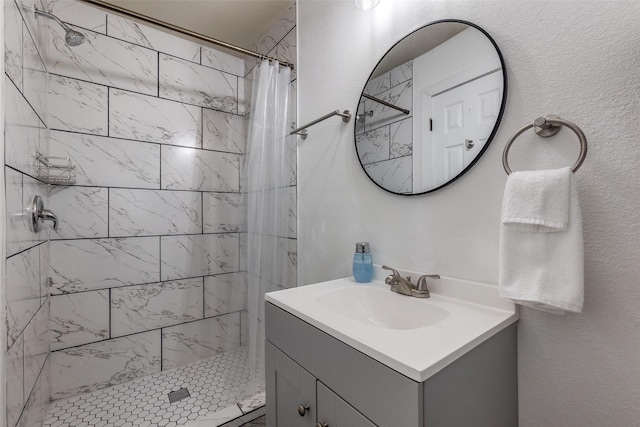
(344, 354)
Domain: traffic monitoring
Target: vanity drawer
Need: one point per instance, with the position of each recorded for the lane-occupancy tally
(386, 397)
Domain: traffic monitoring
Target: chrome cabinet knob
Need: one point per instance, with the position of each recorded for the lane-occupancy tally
(468, 143)
(302, 409)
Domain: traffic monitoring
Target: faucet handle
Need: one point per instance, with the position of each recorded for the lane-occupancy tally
(422, 291)
(392, 278)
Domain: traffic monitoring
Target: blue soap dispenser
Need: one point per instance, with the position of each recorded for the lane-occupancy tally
(362, 263)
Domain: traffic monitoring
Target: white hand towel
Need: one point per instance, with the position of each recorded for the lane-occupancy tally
(541, 247)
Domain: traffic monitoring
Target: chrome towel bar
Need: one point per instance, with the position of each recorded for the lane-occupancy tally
(546, 127)
(346, 117)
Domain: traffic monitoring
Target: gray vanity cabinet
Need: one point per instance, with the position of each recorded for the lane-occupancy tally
(300, 400)
(343, 387)
(293, 390)
(335, 412)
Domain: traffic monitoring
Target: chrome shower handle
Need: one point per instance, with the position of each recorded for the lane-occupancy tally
(38, 214)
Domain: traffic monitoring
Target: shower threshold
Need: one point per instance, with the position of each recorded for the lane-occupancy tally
(217, 389)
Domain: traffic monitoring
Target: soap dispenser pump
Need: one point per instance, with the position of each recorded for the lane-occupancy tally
(362, 263)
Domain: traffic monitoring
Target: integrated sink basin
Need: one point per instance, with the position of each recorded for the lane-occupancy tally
(416, 337)
(380, 307)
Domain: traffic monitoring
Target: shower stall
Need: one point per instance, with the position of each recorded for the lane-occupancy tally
(144, 306)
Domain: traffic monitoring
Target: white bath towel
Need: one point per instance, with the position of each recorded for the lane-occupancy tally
(541, 248)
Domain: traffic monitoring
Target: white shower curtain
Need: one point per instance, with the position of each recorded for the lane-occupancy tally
(267, 174)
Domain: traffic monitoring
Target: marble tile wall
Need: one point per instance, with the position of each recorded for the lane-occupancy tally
(385, 140)
(145, 265)
(26, 286)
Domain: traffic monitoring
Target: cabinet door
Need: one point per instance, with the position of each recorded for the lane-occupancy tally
(291, 391)
(335, 412)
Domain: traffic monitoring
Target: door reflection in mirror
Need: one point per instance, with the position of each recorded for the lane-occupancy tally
(450, 77)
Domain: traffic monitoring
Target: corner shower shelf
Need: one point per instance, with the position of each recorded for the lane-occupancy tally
(55, 170)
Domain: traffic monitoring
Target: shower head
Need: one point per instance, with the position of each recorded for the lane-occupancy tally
(72, 37)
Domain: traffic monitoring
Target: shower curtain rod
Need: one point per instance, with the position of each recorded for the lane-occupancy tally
(150, 20)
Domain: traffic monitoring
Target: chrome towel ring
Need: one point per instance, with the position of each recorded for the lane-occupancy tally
(546, 127)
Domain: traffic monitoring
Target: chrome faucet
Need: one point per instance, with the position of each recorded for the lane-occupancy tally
(404, 286)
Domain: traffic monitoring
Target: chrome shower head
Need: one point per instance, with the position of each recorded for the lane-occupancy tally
(72, 37)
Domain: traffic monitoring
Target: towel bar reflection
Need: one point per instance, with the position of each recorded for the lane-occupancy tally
(302, 130)
(546, 127)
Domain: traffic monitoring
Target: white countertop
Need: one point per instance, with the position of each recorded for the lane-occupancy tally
(474, 313)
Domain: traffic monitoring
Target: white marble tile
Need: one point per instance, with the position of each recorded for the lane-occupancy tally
(401, 96)
(156, 305)
(222, 61)
(282, 200)
(394, 175)
(109, 162)
(34, 412)
(77, 106)
(217, 418)
(401, 73)
(193, 341)
(80, 14)
(99, 365)
(19, 236)
(154, 212)
(252, 403)
(279, 262)
(244, 328)
(199, 170)
(191, 83)
(15, 381)
(23, 290)
(13, 42)
(36, 347)
(244, 103)
(45, 256)
(82, 212)
(34, 78)
(401, 138)
(22, 131)
(377, 85)
(373, 146)
(223, 131)
(198, 255)
(287, 51)
(105, 60)
(283, 25)
(82, 265)
(152, 38)
(223, 212)
(79, 318)
(35, 27)
(242, 257)
(151, 119)
(225, 293)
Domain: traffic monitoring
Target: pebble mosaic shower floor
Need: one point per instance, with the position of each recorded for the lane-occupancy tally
(215, 386)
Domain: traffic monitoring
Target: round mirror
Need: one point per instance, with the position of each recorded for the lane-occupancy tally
(430, 107)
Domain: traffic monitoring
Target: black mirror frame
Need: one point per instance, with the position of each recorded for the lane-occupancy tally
(493, 131)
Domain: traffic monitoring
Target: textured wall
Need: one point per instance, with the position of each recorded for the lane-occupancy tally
(575, 59)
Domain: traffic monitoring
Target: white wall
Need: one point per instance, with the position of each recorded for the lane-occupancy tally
(576, 59)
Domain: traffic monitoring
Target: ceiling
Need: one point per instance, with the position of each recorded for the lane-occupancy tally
(239, 22)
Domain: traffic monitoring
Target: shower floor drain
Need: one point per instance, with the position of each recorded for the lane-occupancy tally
(178, 395)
